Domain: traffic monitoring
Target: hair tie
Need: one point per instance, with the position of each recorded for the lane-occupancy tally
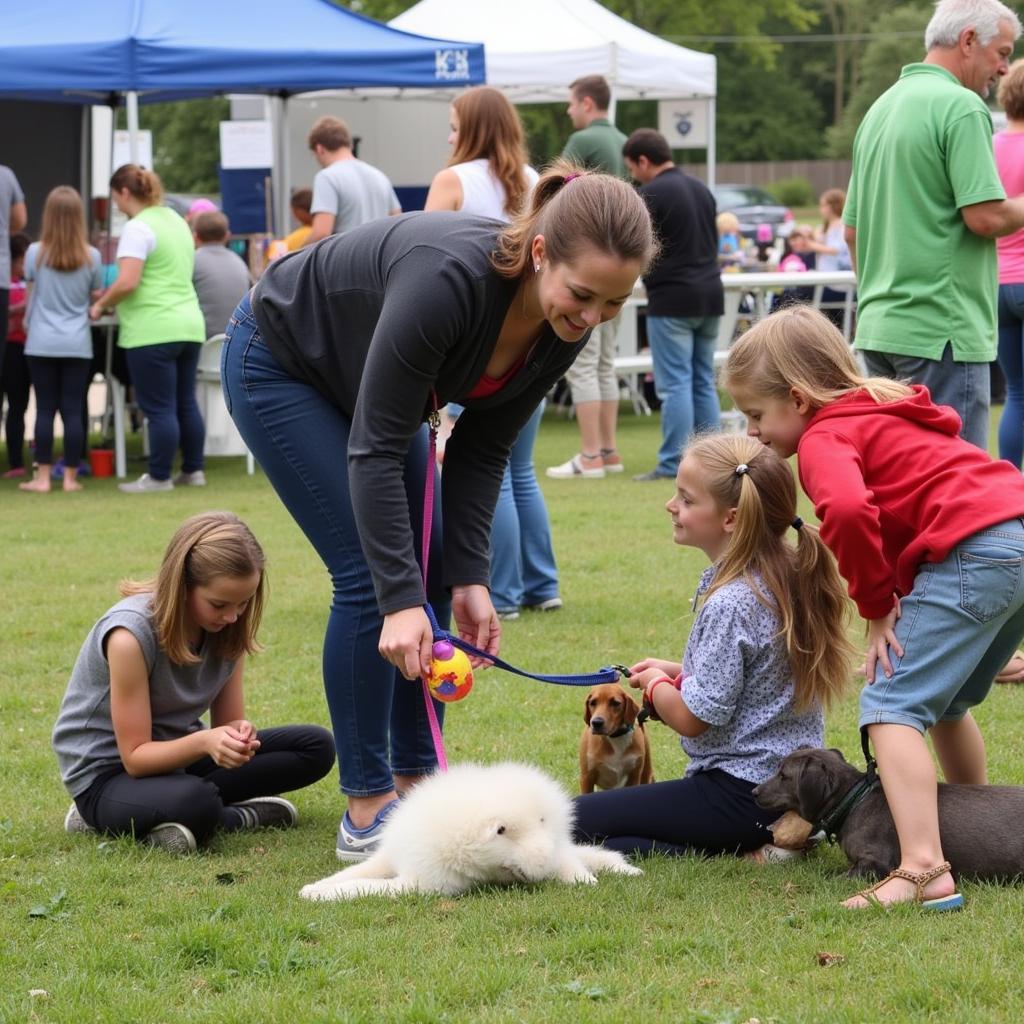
(797, 523)
(742, 469)
(571, 177)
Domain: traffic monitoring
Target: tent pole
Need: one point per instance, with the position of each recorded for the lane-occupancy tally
(712, 142)
(132, 109)
(284, 189)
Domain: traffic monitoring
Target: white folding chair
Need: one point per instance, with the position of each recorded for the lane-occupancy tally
(222, 436)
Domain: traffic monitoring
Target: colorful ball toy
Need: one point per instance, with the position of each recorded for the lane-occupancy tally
(451, 674)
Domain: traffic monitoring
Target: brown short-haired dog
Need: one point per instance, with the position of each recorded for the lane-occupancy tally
(614, 750)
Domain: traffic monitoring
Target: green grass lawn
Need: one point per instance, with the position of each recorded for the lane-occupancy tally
(109, 931)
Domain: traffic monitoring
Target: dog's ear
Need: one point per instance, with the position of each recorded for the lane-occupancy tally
(812, 787)
(631, 709)
(586, 707)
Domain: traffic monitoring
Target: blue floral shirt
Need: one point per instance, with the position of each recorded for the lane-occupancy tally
(738, 679)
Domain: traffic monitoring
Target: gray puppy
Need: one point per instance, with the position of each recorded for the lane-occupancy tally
(980, 826)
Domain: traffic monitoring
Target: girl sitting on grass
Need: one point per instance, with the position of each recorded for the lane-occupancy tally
(767, 650)
(929, 535)
(133, 753)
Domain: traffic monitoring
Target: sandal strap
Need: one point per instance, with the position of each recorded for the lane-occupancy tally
(919, 878)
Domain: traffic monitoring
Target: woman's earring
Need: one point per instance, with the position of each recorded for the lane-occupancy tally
(536, 268)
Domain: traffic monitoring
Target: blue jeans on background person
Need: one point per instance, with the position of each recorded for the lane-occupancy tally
(964, 387)
(300, 440)
(683, 354)
(164, 379)
(523, 570)
(1011, 360)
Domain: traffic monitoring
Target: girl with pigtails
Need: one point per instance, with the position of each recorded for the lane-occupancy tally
(766, 654)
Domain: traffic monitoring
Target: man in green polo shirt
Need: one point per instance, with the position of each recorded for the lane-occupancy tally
(597, 145)
(924, 208)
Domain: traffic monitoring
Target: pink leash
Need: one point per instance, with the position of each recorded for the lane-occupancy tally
(434, 420)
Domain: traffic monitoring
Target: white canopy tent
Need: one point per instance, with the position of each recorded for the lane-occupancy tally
(533, 49)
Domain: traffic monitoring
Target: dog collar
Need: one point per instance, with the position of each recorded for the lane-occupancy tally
(624, 731)
(833, 822)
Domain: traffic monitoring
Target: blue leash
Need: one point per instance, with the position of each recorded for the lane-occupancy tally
(609, 674)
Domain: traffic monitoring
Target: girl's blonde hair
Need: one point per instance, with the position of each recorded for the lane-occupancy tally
(63, 242)
(204, 547)
(574, 210)
(803, 583)
(144, 184)
(798, 347)
(489, 127)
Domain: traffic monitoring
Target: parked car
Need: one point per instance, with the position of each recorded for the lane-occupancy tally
(753, 206)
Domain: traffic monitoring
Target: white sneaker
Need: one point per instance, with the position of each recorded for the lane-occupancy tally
(574, 469)
(197, 478)
(172, 837)
(771, 854)
(74, 822)
(146, 484)
(552, 604)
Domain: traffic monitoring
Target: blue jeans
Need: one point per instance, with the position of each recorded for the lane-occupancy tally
(964, 386)
(301, 440)
(1011, 359)
(683, 353)
(523, 570)
(164, 378)
(959, 626)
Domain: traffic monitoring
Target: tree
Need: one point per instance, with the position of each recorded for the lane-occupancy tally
(186, 141)
(900, 41)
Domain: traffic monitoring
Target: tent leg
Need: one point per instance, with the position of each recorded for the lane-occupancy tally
(132, 110)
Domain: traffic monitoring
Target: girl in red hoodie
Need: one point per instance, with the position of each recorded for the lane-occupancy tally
(928, 534)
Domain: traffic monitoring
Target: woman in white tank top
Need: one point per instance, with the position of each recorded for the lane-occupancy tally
(488, 175)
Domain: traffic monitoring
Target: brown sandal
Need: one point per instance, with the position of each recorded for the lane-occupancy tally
(954, 901)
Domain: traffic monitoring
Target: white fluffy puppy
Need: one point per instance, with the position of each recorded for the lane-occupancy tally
(476, 825)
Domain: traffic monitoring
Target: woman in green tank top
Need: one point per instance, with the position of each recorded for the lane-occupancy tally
(161, 327)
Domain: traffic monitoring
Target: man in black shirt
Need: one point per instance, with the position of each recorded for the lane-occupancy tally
(684, 295)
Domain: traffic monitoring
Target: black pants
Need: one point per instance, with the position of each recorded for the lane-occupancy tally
(290, 757)
(14, 383)
(5, 305)
(60, 386)
(708, 812)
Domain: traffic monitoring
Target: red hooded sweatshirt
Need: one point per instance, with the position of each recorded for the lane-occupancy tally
(894, 486)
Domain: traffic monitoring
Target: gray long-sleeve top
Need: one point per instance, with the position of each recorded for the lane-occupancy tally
(377, 318)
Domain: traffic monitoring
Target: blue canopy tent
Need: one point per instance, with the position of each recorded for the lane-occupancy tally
(73, 52)
(66, 51)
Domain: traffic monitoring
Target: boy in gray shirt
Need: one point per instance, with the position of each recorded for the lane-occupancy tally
(219, 275)
(347, 192)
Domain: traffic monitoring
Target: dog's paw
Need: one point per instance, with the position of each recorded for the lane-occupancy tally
(326, 889)
(625, 868)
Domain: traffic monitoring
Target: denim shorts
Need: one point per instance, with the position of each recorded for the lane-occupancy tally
(960, 624)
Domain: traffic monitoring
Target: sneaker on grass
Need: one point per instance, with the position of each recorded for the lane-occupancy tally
(74, 822)
(197, 478)
(266, 812)
(172, 837)
(358, 843)
(146, 485)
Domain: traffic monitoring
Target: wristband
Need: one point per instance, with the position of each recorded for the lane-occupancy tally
(653, 685)
(648, 703)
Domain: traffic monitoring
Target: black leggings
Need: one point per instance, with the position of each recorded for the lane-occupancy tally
(61, 385)
(707, 812)
(290, 757)
(14, 383)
